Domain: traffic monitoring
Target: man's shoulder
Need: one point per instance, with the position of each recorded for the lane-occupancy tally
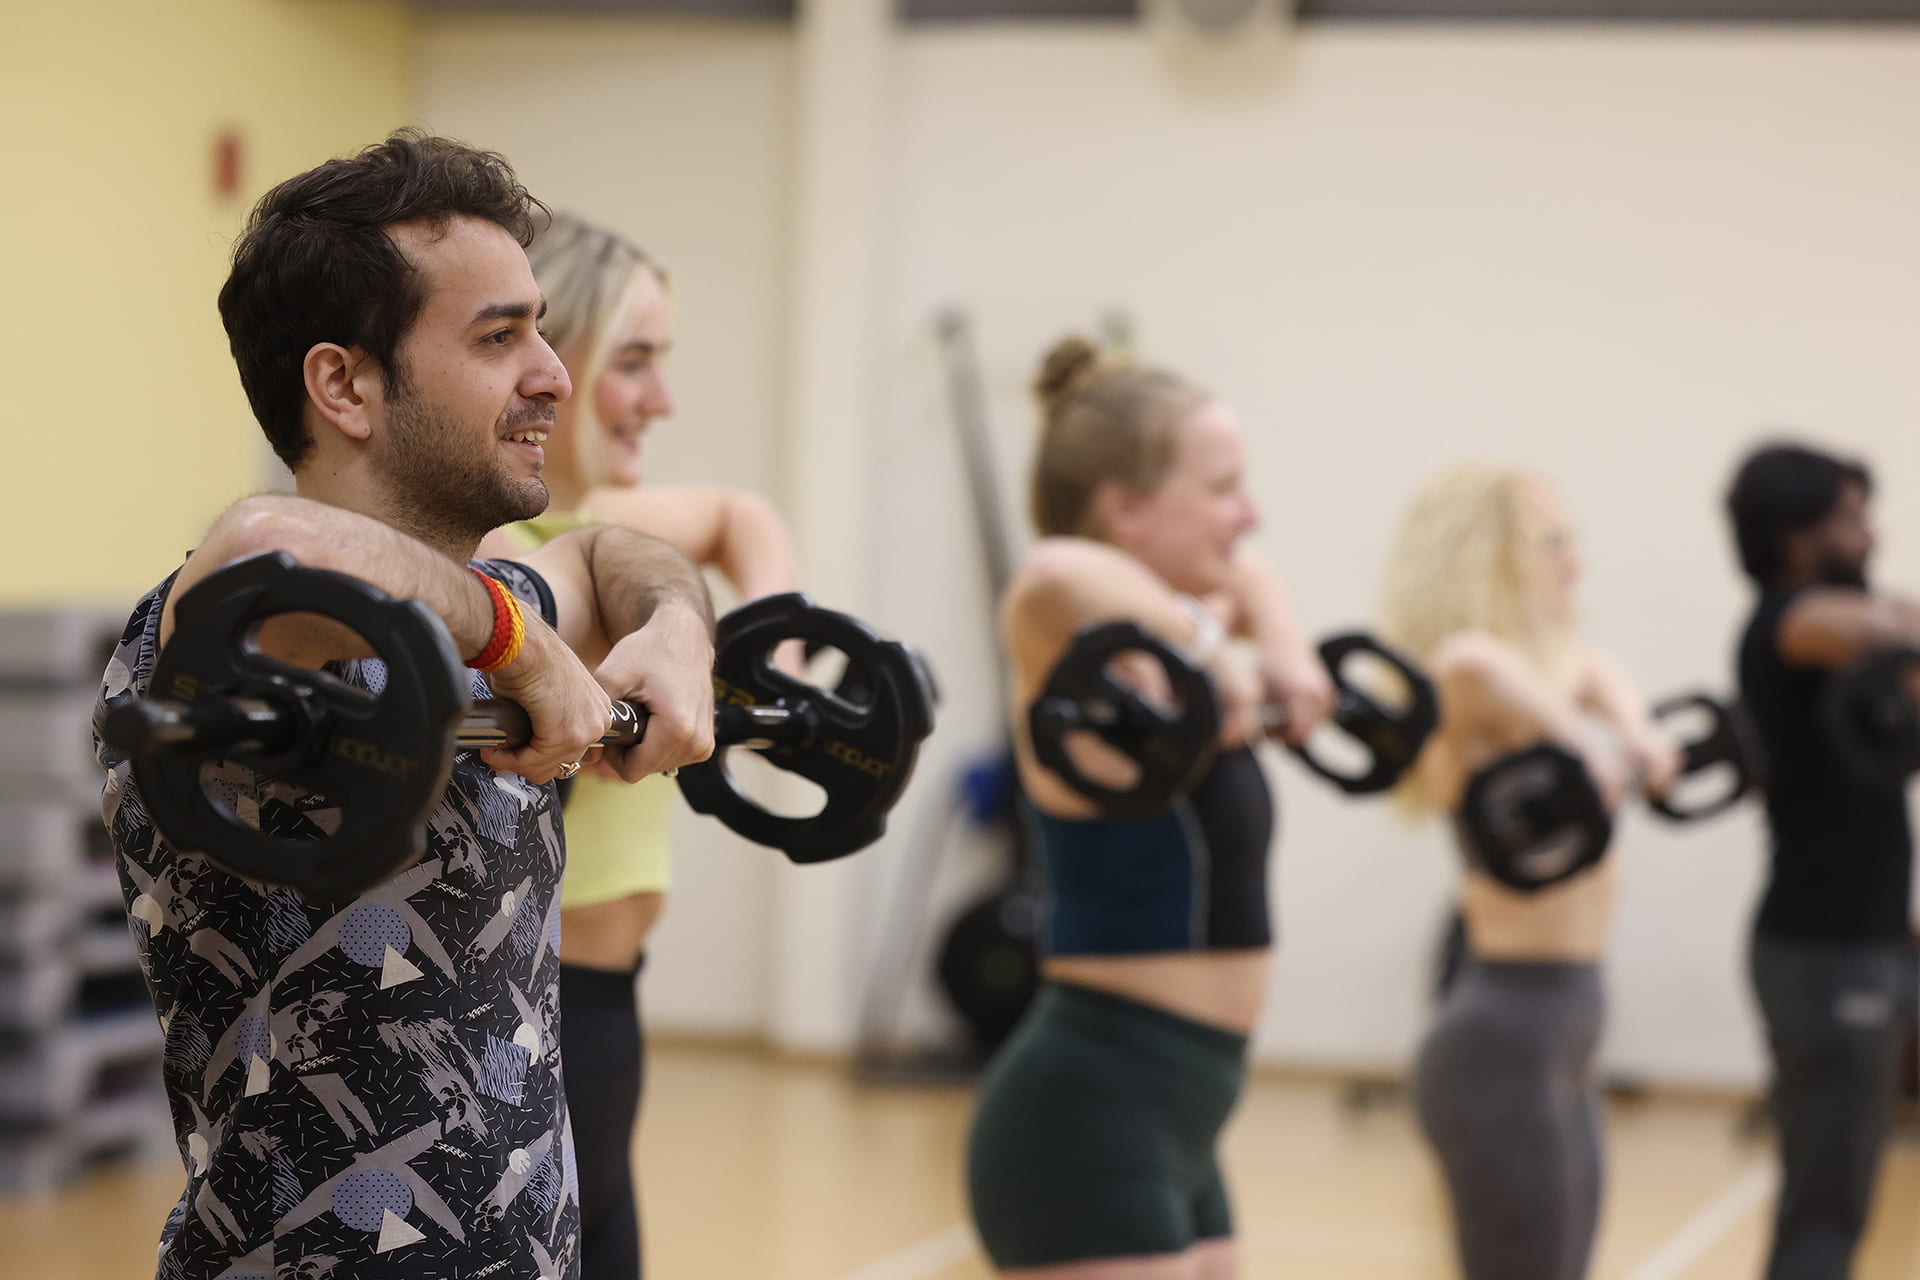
(144, 618)
(131, 664)
(1770, 604)
(524, 581)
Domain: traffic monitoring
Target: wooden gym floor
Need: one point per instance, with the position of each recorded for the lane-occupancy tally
(765, 1169)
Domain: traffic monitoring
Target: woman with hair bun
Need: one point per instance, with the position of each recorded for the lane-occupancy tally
(1481, 590)
(1092, 1155)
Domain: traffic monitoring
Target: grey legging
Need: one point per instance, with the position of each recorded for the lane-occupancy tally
(1837, 1016)
(1506, 1093)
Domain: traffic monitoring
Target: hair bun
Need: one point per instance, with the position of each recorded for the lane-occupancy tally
(1066, 368)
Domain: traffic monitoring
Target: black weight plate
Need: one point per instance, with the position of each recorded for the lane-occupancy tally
(383, 759)
(989, 965)
(1171, 751)
(852, 684)
(860, 755)
(1534, 818)
(929, 682)
(1392, 736)
(1871, 720)
(1726, 745)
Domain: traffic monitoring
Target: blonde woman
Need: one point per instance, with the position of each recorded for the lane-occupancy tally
(610, 319)
(1092, 1151)
(1482, 589)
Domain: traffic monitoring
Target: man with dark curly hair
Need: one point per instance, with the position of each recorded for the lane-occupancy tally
(1832, 957)
(371, 1085)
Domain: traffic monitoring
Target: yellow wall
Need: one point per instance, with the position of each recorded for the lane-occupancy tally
(128, 426)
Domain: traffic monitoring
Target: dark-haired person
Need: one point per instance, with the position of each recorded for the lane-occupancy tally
(1832, 959)
(371, 1085)
(1092, 1151)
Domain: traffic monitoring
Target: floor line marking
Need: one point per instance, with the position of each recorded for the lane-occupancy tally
(921, 1259)
(1699, 1234)
(1670, 1260)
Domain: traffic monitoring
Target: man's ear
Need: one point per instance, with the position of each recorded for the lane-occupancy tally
(345, 387)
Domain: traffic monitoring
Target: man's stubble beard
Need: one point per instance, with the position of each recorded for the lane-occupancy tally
(1837, 572)
(439, 488)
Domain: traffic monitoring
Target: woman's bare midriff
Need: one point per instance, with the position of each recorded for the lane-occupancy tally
(1220, 988)
(609, 935)
(1223, 989)
(1568, 922)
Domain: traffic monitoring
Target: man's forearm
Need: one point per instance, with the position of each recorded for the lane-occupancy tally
(1899, 623)
(636, 576)
(328, 537)
(1833, 626)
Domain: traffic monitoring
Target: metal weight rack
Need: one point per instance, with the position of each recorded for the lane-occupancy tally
(79, 1045)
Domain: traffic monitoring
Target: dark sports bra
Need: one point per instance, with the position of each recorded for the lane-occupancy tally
(1192, 880)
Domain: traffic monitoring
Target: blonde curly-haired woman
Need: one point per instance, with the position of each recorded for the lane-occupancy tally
(1482, 589)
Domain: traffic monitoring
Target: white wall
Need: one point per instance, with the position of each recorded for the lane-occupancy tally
(1613, 254)
(1610, 254)
(674, 133)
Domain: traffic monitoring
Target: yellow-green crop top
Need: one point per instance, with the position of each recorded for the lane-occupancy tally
(616, 831)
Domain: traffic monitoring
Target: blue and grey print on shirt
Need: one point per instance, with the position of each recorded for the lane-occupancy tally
(367, 1087)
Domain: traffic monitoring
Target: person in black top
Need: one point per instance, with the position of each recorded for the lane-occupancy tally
(1832, 958)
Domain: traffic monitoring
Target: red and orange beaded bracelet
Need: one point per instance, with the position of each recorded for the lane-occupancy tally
(509, 628)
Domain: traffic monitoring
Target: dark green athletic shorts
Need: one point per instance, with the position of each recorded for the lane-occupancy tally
(1094, 1135)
